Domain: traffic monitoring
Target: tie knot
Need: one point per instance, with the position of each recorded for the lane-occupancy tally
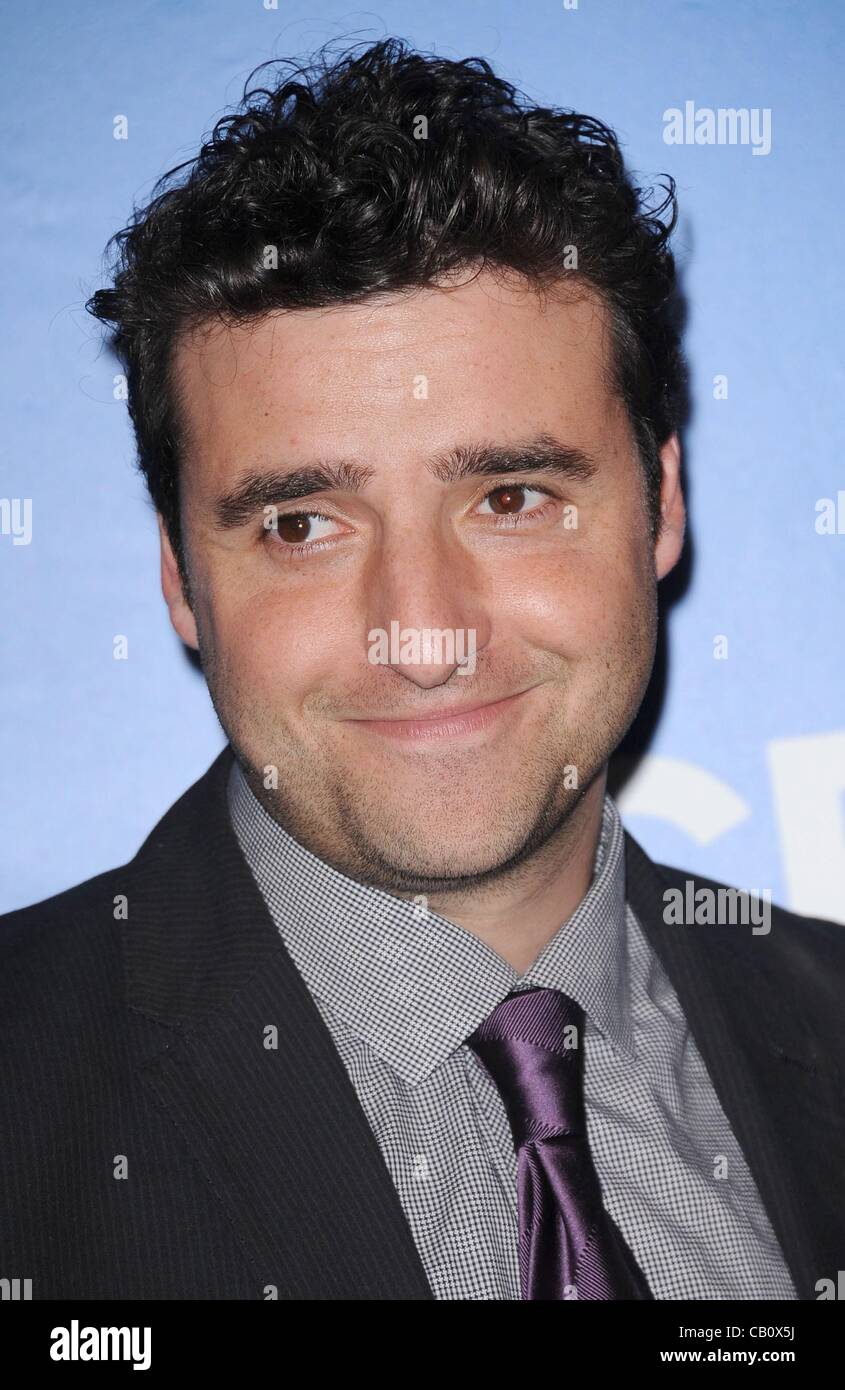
(532, 1046)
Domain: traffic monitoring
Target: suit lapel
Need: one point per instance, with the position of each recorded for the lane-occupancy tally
(767, 1064)
(232, 1044)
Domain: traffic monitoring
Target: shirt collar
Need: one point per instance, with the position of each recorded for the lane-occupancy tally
(411, 983)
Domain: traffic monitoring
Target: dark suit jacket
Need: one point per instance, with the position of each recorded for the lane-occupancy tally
(253, 1172)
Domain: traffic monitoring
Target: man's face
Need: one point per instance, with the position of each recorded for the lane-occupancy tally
(547, 575)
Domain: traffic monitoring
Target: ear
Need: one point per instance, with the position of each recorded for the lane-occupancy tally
(670, 537)
(171, 586)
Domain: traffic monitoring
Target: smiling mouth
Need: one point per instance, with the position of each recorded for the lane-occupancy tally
(449, 724)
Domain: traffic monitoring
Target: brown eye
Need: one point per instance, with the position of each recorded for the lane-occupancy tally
(301, 528)
(294, 527)
(521, 501)
(506, 500)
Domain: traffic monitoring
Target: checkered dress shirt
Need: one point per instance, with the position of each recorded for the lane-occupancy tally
(401, 989)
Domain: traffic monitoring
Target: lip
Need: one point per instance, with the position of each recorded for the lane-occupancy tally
(452, 724)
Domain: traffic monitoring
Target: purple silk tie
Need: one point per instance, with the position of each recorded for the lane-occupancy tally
(569, 1247)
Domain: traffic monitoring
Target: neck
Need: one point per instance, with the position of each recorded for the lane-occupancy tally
(520, 914)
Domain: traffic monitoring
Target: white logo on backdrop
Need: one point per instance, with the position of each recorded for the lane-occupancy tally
(808, 790)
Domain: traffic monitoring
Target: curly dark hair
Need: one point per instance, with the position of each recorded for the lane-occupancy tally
(333, 167)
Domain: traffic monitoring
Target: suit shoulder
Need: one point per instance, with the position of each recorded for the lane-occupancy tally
(817, 941)
(57, 938)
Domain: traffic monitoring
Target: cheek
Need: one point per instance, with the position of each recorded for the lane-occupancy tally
(277, 642)
(579, 604)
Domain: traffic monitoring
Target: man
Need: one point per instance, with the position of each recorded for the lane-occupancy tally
(388, 1005)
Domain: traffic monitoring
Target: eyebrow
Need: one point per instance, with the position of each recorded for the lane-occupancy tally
(541, 454)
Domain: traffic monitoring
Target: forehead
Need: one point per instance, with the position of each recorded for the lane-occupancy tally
(490, 355)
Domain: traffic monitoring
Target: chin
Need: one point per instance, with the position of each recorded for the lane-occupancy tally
(430, 862)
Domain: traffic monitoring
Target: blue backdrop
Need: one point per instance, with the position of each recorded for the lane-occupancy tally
(744, 773)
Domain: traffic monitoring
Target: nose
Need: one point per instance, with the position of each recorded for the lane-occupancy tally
(427, 618)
